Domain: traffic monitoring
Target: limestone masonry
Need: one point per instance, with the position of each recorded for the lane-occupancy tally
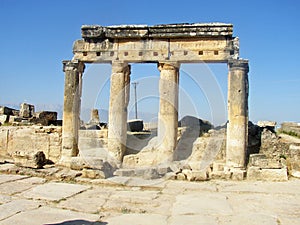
(190, 149)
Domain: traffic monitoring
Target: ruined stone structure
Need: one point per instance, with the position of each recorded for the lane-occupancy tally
(169, 46)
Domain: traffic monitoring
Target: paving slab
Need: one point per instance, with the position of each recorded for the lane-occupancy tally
(118, 180)
(140, 182)
(193, 219)
(202, 203)
(7, 167)
(54, 191)
(89, 201)
(7, 178)
(142, 196)
(260, 187)
(138, 219)
(131, 201)
(52, 216)
(263, 203)
(4, 199)
(20, 185)
(251, 219)
(191, 186)
(11, 208)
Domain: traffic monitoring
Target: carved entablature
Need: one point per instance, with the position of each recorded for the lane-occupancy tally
(198, 42)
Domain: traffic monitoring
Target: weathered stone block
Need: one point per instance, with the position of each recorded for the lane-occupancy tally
(180, 176)
(77, 163)
(135, 125)
(271, 124)
(26, 110)
(8, 111)
(3, 119)
(238, 174)
(191, 175)
(45, 118)
(256, 173)
(37, 160)
(93, 174)
(94, 117)
(13, 119)
(259, 160)
(195, 123)
(218, 166)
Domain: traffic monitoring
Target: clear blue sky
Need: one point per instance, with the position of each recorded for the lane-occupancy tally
(37, 35)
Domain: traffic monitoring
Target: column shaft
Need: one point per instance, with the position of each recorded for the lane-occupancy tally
(237, 127)
(117, 126)
(71, 114)
(168, 106)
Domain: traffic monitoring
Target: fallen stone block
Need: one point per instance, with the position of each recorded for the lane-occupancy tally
(45, 118)
(13, 119)
(180, 176)
(238, 174)
(295, 173)
(4, 119)
(8, 111)
(93, 174)
(256, 173)
(266, 124)
(33, 160)
(26, 110)
(135, 125)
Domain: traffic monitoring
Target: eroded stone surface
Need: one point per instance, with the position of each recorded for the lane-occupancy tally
(49, 215)
(16, 206)
(54, 191)
(170, 202)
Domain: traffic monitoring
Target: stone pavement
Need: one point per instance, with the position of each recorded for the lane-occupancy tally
(133, 201)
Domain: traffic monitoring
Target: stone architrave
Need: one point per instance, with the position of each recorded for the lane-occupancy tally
(168, 108)
(71, 121)
(237, 127)
(117, 125)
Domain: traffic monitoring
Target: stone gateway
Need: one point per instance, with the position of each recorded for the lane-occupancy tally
(168, 46)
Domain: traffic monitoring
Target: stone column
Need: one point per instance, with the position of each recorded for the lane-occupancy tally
(237, 127)
(117, 125)
(127, 94)
(168, 106)
(71, 114)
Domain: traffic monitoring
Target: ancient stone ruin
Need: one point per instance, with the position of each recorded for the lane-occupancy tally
(27, 116)
(189, 149)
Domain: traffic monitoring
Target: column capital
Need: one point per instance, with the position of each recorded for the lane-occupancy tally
(168, 66)
(238, 64)
(73, 65)
(120, 67)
